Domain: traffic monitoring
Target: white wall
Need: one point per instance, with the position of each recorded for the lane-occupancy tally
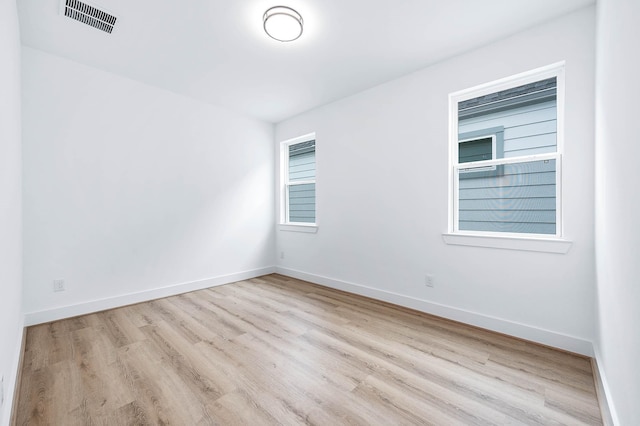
(618, 206)
(129, 189)
(382, 197)
(11, 322)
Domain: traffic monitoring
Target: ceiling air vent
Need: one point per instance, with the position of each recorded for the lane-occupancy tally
(89, 15)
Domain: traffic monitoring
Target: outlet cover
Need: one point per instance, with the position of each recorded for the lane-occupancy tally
(58, 285)
(428, 281)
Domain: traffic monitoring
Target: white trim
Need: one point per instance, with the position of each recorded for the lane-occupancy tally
(452, 216)
(301, 182)
(508, 82)
(609, 414)
(298, 227)
(560, 124)
(88, 307)
(454, 168)
(509, 160)
(11, 378)
(523, 331)
(299, 139)
(532, 242)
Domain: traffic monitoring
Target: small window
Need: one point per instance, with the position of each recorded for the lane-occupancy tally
(480, 145)
(505, 155)
(477, 149)
(299, 181)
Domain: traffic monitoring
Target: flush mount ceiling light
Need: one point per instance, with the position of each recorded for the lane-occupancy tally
(282, 23)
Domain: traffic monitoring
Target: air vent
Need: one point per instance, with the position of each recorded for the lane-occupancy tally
(89, 15)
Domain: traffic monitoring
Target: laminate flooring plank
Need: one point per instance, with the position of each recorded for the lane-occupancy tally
(175, 359)
(444, 398)
(52, 346)
(441, 373)
(238, 408)
(575, 405)
(139, 371)
(142, 314)
(271, 308)
(232, 315)
(253, 381)
(275, 350)
(206, 313)
(266, 321)
(202, 329)
(432, 342)
(413, 408)
(36, 403)
(317, 385)
(92, 369)
(113, 328)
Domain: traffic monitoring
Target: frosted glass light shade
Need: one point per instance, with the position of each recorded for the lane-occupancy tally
(282, 23)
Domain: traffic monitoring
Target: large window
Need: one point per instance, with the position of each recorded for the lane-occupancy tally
(505, 156)
(298, 164)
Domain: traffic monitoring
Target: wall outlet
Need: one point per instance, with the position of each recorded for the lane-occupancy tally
(428, 280)
(2, 391)
(58, 285)
(281, 255)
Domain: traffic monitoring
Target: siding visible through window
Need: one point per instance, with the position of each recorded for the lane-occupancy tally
(301, 177)
(522, 199)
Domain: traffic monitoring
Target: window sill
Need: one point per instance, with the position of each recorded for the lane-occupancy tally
(310, 229)
(545, 245)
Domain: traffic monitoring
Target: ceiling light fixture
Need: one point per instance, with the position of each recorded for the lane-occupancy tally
(282, 23)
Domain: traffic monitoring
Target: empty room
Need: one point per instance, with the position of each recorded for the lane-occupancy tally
(319, 212)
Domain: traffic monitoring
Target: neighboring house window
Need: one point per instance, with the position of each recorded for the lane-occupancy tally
(506, 154)
(298, 164)
(480, 145)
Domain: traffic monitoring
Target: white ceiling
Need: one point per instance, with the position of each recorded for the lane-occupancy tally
(216, 50)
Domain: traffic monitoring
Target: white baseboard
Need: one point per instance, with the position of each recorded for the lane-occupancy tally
(523, 331)
(40, 317)
(10, 390)
(609, 415)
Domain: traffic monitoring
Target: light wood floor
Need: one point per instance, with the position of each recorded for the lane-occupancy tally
(276, 350)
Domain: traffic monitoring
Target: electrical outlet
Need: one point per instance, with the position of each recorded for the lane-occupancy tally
(2, 391)
(281, 255)
(428, 280)
(58, 285)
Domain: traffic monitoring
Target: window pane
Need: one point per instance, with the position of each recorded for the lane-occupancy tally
(527, 113)
(302, 161)
(475, 150)
(520, 198)
(302, 203)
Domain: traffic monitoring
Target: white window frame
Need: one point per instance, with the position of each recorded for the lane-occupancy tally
(519, 241)
(493, 153)
(285, 224)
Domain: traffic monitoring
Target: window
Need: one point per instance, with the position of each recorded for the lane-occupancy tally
(505, 156)
(480, 145)
(298, 170)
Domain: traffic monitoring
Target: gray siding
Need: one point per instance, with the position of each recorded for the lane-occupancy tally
(302, 198)
(302, 203)
(527, 130)
(521, 197)
(302, 167)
